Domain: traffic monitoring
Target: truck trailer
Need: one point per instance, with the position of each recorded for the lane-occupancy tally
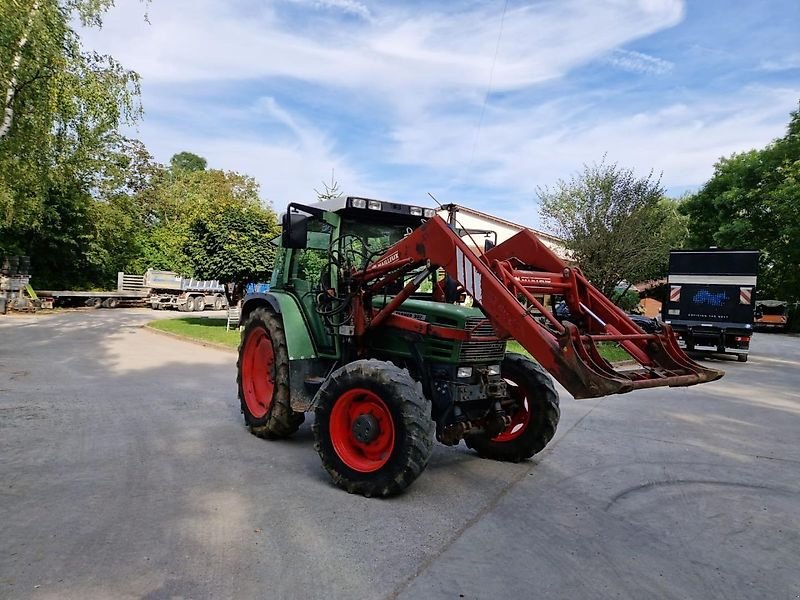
(158, 289)
(711, 300)
(170, 290)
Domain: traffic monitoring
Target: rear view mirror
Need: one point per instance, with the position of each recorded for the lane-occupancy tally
(295, 230)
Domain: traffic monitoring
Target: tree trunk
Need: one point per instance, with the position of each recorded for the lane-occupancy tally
(8, 106)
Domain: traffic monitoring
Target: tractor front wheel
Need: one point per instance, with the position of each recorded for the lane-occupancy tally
(373, 428)
(534, 413)
(263, 377)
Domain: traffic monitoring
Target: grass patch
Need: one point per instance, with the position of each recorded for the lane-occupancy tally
(200, 329)
(608, 350)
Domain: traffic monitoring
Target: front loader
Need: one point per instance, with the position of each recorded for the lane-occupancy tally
(365, 324)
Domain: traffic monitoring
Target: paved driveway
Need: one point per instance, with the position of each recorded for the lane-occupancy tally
(126, 472)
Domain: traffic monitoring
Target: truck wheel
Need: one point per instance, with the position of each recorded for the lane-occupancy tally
(741, 357)
(110, 303)
(218, 303)
(199, 304)
(263, 377)
(534, 418)
(94, 302)
(188, 306)
(373, 428)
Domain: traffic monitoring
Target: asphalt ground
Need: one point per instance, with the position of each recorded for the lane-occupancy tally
(126, 472)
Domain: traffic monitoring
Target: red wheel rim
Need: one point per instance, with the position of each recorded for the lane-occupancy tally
(364, 457)
(520, 418)
(258, 364)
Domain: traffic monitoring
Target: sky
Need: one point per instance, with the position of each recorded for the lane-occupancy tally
(478, 103)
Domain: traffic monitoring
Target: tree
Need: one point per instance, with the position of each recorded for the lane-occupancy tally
(186, 161)
(208, 224)
(234, 245)
(618, 227)
(331, 191)
(60, 105)
(751, 201)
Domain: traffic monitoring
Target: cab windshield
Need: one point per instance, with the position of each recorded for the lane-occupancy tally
(361, 243)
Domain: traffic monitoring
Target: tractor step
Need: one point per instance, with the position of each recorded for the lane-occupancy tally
(313, 383)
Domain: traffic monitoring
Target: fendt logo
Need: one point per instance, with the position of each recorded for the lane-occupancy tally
(388, 260)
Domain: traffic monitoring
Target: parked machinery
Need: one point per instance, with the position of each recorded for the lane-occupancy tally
(362, 325)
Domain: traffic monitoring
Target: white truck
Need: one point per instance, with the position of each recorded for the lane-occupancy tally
(170, 290)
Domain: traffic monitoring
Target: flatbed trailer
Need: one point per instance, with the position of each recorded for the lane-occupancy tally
(157, 289)
(93, 299)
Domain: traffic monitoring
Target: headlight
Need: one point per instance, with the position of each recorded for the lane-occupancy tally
(358, 203)
(428, 213)
(374, 205)
(464, 372)
(416, 211)
(493, 369)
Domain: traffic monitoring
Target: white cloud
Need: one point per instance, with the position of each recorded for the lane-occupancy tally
(406, 54)
(638, 62)
(347, 6)
(785, 63)
(415, 78)
(521, 151)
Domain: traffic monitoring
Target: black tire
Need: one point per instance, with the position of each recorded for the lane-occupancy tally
(188, 306)
(155, 306)
(539, 427)
(277, 420)
(94, 302)
(199, 304)
(410, 425)
(218, 303)
(110, 303)
(741, 357)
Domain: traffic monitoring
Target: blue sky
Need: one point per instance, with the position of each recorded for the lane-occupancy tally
(479, 103)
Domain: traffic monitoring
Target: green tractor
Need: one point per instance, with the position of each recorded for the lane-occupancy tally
(365, 324)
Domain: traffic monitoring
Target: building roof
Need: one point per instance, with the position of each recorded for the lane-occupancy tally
(461, 208)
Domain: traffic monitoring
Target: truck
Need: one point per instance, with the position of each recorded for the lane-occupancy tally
(771, 315)
(346, 331)
(157, 289)
(170, 290)
(711, 297)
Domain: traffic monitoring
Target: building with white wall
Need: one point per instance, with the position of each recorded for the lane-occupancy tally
(469, 218)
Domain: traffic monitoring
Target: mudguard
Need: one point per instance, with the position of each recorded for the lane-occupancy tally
(298, 338)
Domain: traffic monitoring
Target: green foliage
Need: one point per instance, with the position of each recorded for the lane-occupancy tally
(627, 300)
(233, 244)
(186, 161)
(751, 202)
(59, 105)
(617, 226)
(85, 202)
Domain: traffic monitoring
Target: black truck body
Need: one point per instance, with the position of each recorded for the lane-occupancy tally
(710, 301)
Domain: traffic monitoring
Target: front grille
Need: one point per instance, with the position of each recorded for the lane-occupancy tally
(490, 351)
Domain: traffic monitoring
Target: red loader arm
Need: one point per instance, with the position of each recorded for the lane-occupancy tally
(519, 268)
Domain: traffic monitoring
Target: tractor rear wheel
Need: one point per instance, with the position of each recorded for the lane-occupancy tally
(373, 428)
(263, 377)
(534, 416)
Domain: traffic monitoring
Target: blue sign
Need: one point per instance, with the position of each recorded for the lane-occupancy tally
(706, 297)
(256, 288)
